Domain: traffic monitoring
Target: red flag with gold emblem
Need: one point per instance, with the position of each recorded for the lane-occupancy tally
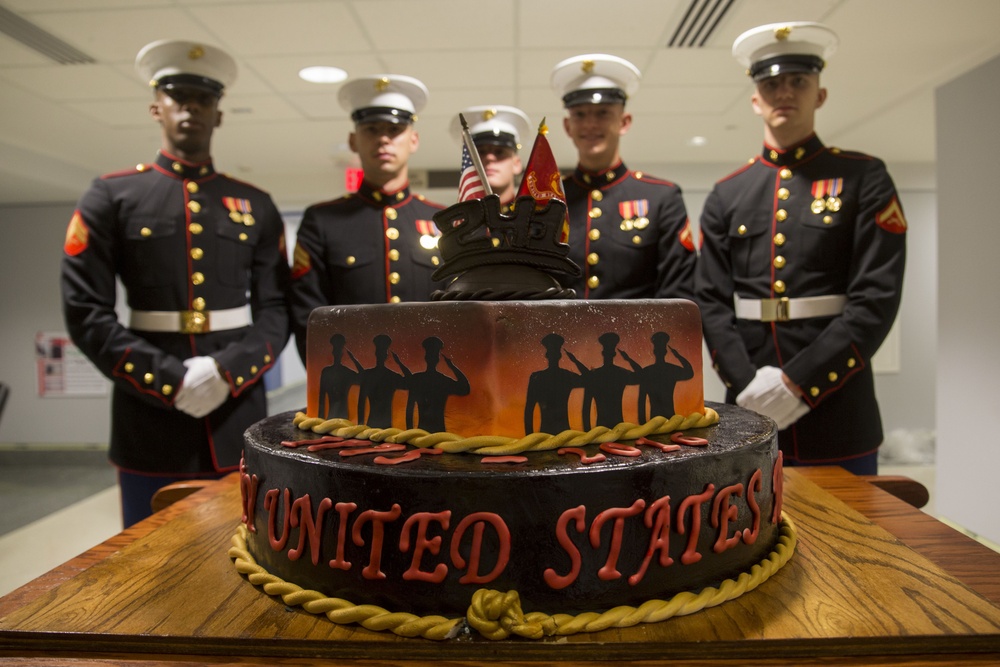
(542, 180)
(77, 235)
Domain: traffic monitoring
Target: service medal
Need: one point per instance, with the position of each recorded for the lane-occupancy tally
(627, 225)
(236, 216)
(642, 223)
(818, 206)
(833, 204)
(248, 220)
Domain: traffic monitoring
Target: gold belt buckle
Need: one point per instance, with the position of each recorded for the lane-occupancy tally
(194, 322)
(775, 310)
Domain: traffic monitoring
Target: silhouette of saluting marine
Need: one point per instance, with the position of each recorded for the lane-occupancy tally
(428, 390)
(336, 380)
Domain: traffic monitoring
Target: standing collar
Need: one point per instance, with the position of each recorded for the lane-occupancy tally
(383, 197)
(175, 166)
(789, 156)
(600, 179)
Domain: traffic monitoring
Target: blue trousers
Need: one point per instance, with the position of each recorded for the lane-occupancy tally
(137, 490)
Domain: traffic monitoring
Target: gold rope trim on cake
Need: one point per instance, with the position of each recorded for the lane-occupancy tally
(498, 615)
(495, 445)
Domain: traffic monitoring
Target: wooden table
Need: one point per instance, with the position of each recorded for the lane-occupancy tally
(873, 582)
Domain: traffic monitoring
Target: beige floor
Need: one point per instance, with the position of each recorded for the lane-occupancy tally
(36, 548)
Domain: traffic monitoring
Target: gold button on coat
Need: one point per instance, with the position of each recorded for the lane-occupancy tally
(129, 367)
(814, 392)
(167, 390)
(779, 239)
(741, 230)
(198, 304)
(597, 195)
(395, 299)
(779, 262)
(833, 377)
(243, 236)
(194, 206)
(783, 194)
(779, 286)
(593, 258)
(145, 232)
(392, 233)
(594, 234)
(195, 228)
(781, 215)
(394, 278)
(192, 187)
(595, 213)
(593, 281)
(197, 277)
(637, 239)
(785, 174)
(390, 213)
(148, 378)
(394, 255)
(197, 253)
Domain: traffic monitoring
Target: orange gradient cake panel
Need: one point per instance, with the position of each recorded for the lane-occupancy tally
(496, 348)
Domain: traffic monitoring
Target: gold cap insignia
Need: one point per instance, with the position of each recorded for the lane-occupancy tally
(382, 83)
(196, 52)
(587, 66)
(489, 114)
(782, 33)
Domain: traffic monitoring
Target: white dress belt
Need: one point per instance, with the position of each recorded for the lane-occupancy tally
(784, 309)
(190, 321)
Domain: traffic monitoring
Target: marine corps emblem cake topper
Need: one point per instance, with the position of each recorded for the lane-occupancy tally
(497, 256)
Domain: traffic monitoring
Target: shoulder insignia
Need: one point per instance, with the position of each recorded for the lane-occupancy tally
(77, 235)
(891, 218)
(301, 263)
(686, 236)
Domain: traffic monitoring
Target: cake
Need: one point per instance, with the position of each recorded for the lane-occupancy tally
(508, 461)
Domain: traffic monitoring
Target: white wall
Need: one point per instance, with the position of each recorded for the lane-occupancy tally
(968, 146)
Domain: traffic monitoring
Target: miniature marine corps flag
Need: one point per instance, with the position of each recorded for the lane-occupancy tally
(541, 177)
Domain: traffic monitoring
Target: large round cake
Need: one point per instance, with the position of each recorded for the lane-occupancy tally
(558, 455)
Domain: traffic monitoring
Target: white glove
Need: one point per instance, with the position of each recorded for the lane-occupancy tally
(768, 394)
(203, 389)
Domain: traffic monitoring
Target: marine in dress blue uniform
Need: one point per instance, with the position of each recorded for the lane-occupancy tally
(201, 257)
(378, 245)
(629, 232)
(496, 131)
(801, 268)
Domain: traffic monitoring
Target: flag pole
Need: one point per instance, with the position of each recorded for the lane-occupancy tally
(467, 138)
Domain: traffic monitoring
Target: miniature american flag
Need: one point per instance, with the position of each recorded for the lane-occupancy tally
(469, 184)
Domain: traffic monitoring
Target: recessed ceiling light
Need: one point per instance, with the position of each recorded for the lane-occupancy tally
(322, 74)
(697, 141)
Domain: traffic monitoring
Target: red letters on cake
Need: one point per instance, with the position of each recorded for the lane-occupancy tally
(378, 520)
(425, 533)
(618, 515)
(657, 519)
(421, 543)
(694, 503)
(578, 516)
(478, 521)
